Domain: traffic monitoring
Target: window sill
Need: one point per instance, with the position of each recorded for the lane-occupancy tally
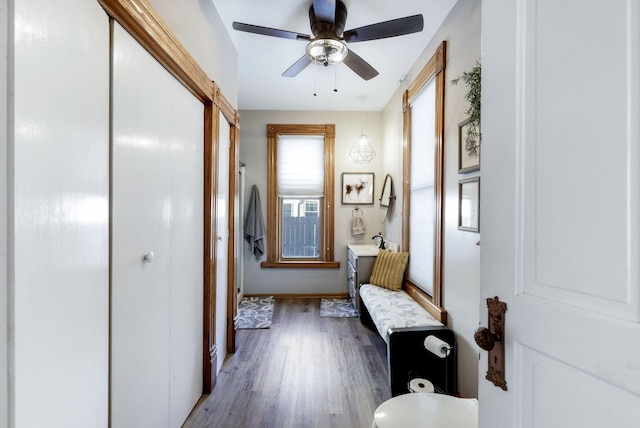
(426, 302)
(306, 264)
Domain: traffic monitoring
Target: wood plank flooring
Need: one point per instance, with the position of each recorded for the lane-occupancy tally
(305, 371)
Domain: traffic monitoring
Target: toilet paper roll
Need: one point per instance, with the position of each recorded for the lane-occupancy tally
(436, 346)
(420, 385)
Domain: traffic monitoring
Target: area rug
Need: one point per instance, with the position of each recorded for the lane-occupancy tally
(337, 308)
(255, 312)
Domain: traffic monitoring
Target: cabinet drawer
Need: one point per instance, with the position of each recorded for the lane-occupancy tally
(353, 259)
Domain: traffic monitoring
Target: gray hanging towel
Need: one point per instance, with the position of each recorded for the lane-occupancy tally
(253, 224)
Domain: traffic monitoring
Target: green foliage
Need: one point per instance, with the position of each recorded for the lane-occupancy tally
(472, 80)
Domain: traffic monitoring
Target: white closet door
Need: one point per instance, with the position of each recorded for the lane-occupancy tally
(156, 313)
(58, 181)
(222, 241)
(187, 217)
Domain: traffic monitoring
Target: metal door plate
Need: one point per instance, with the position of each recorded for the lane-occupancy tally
(495, 373)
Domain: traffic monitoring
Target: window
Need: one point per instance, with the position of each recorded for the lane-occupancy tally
(300, 200)
(423, 106)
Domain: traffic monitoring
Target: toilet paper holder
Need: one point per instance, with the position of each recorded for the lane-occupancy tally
(408, 359)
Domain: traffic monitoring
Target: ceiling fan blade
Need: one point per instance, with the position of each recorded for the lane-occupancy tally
(266, 31)
(382, 30)
(297, 67)
(361, 67)
(325, 10)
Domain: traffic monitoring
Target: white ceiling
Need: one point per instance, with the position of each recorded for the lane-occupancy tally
(262, 59)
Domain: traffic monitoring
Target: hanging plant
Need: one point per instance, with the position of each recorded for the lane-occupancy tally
(472, 80)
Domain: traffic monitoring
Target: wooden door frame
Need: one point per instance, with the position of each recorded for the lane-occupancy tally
(144, 24)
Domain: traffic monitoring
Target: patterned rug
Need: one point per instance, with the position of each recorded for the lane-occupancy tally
(255, 312)
(337, 308)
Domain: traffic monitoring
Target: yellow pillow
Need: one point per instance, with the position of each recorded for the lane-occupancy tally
(388, 269)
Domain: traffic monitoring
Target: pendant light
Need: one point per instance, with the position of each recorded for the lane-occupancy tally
(362, 151)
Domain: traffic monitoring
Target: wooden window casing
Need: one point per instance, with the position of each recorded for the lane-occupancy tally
(326, 258)
(434, 69)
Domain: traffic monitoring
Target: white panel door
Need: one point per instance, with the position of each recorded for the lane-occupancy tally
(157, 194)
(140, 316)
(222, 238)
(58, 181)
(186, 236)
(561, 210)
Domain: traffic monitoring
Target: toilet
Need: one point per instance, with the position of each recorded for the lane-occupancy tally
(427, 411)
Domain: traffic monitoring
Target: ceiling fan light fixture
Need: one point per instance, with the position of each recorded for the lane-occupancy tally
(327, 51)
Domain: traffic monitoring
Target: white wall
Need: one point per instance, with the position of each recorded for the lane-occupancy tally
(253, 152)
(392, 162)
(461, 273)
(199, 28)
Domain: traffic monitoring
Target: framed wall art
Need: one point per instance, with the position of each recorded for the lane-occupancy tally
(469, 204)
(468, 147)
(357, 188)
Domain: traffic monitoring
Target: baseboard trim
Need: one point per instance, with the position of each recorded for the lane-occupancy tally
(302, 296)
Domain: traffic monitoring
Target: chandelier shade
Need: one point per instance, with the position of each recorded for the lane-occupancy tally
(362, 151)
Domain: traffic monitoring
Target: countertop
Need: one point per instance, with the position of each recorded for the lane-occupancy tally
(363, 250)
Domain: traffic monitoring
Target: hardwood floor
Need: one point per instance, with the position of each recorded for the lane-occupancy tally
(305, 371)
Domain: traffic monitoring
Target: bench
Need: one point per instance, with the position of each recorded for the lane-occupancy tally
(404, 325)
(392, 309)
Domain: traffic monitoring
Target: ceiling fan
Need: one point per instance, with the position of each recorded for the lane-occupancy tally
(329, 42)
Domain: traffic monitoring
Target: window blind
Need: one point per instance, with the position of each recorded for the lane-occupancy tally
(421, 187)
(300, 165)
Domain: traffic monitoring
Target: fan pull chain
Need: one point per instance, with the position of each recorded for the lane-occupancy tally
(335, 78)
(315, 80)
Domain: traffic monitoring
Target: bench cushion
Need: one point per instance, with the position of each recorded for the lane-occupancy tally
(392, 309)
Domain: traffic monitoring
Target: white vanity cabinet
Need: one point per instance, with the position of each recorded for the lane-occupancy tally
(360, 263)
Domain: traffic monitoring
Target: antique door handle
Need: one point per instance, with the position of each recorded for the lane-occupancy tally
(485, 338)
(491, 339)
